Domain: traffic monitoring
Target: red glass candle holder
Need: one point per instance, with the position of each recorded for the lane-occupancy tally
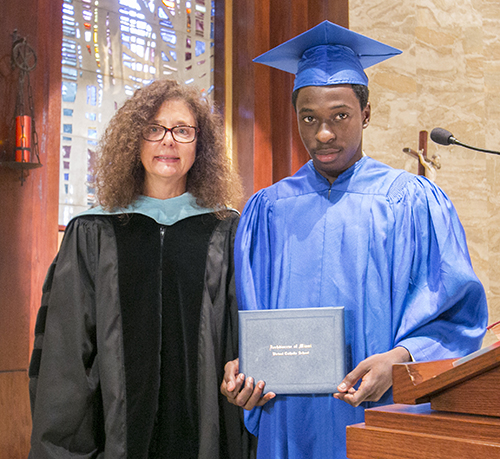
(23, 138)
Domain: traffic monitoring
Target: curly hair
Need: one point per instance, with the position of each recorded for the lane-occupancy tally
(120, 175)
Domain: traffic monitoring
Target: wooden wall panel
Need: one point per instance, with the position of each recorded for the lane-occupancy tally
(28, 212)
(219, 54)
(281, 30)
(15, 426)
(28, 224)
(266, 142)
(15, 210)
(336, 11)
(262, 154)
(45, 197)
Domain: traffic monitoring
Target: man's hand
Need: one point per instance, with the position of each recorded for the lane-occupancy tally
(375, 373)
(247, 396)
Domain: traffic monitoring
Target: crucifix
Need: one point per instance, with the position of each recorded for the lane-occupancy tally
(426, 167)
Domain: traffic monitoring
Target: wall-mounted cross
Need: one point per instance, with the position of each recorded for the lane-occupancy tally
(426, 167)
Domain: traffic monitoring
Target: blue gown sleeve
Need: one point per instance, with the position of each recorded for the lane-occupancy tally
(443, 304)
(253, 269)
(252, 254)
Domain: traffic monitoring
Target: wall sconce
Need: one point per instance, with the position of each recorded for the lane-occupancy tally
(25, 153)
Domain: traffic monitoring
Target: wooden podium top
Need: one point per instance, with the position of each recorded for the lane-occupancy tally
(475, 378)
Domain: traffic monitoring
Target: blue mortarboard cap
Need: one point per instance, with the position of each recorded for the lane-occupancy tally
(327, 54)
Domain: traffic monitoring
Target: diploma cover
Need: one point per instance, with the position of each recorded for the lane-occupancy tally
(294, 351)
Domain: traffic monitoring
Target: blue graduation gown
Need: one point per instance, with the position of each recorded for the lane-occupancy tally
(385, 244)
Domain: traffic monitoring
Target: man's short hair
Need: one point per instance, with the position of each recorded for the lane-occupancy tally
(361, 91)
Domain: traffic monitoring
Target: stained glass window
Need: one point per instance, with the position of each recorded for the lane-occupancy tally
(109, 49)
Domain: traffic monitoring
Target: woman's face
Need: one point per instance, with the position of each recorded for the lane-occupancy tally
(167, 162)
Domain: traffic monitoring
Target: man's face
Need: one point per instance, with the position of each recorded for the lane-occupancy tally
(331, 124)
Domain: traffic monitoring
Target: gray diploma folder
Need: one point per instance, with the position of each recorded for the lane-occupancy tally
(294, 351)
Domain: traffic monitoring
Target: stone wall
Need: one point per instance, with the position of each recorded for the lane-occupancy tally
(448, 76)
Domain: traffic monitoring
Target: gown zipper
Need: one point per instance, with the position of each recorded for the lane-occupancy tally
(162, 237)
(153, 447)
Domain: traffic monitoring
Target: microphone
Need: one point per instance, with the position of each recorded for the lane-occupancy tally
(444, 137)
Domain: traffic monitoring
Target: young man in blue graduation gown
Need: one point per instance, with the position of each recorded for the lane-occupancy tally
(349, 231)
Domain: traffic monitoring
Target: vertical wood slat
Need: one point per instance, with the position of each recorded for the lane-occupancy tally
(46, 193)
(263, 116)
(243, 91)
(281, 25)
(336, 11)
(302, 20)
(220, 54)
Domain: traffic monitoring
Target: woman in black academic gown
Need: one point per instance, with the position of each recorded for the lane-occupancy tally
(138, 313)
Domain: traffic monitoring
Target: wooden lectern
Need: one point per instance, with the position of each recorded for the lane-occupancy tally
(443, 410)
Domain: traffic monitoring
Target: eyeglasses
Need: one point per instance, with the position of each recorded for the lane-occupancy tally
(181, 134)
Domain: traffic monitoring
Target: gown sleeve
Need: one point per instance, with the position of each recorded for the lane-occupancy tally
(64, 380)
(252, 254)
(440, 304)
(252, 257)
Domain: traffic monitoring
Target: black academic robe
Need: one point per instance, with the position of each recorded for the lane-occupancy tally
(100, 351)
